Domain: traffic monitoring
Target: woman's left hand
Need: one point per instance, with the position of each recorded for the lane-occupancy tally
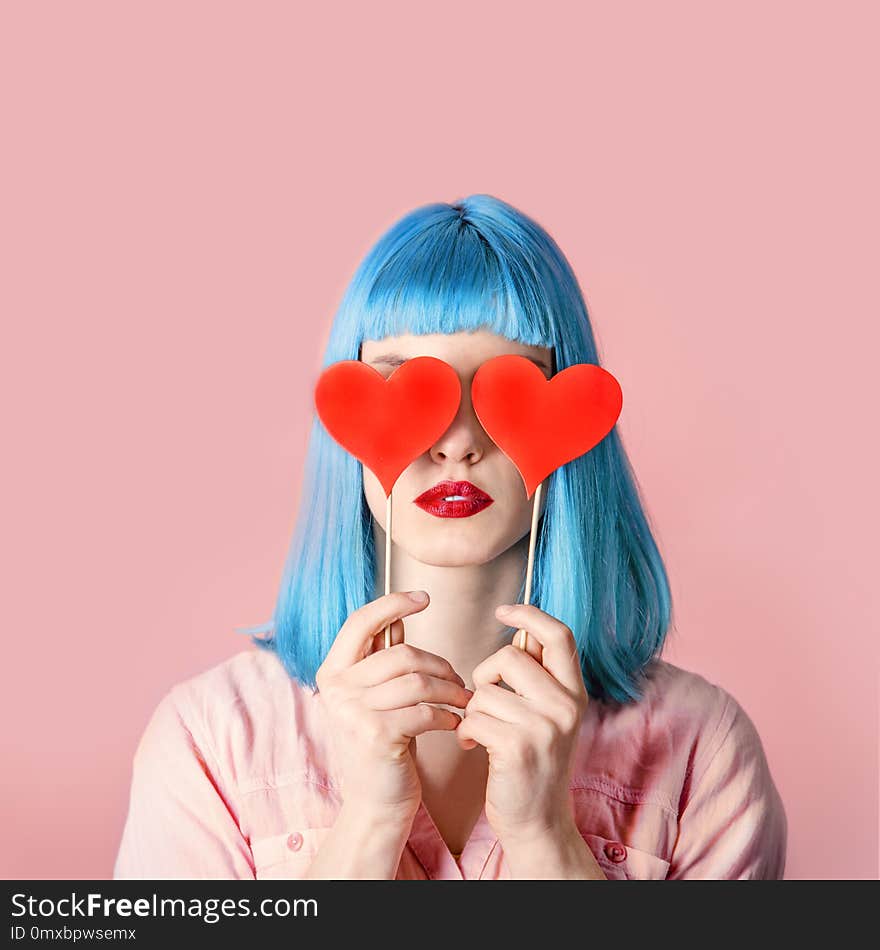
(531, 732)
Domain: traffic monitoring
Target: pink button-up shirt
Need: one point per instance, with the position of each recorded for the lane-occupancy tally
(234, 777)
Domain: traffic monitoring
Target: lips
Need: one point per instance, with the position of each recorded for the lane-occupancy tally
(469, 500)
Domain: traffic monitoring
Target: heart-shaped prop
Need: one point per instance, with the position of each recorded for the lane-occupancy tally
(388, 423)
(541, 424)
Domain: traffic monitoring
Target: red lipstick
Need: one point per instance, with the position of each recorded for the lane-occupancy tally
(453, 500)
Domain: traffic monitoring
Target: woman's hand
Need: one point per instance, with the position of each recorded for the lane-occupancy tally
(377, 700)
(531, 732)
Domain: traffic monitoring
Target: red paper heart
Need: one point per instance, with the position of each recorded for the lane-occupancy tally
(541, 424)
(388, 423)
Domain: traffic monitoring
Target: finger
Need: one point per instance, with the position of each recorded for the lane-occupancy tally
(520, 671)
(484, 729)
(501, 704)
(397, 636)
(412, 688)
(360, 628)
(533, 646)
(560, 653)
(395, 661)
(415, 720)
(520, 711)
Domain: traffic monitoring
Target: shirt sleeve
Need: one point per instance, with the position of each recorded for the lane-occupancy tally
(733, 826)
(182, 820)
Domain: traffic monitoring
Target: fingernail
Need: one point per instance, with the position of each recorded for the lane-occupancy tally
(419, 596)
(504, 609)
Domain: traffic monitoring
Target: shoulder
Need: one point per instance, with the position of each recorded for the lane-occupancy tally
(679, 702)
(685, 703)
(700, 711)
(667, 684)
(251, 681)
(656, 744)
(253, 718)
(703, 715)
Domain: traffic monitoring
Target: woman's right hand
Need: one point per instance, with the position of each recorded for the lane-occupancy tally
(375, 700)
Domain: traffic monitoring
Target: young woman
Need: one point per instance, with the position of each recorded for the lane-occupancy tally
(453, 753)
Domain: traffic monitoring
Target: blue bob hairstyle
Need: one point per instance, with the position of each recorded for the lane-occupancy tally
(445, 268)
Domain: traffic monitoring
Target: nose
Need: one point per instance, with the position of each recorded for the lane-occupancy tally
(465, 439)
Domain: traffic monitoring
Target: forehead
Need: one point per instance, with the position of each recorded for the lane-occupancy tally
(461, 349)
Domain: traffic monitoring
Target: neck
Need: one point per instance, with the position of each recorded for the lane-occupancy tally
(459, 623)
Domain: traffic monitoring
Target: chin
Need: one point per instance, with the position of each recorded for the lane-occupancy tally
(458, 555)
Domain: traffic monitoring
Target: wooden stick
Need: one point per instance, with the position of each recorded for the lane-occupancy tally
(413, 749)
(388, 562)
(536, 507)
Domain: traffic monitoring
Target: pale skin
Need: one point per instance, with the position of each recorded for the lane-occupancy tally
(512, 750)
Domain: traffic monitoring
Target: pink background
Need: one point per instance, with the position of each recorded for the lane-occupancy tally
(188, 188)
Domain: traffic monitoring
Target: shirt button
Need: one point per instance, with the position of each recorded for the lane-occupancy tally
(615, 852)
(294, 841)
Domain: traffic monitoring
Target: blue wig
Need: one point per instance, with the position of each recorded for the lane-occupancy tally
(479, 264)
